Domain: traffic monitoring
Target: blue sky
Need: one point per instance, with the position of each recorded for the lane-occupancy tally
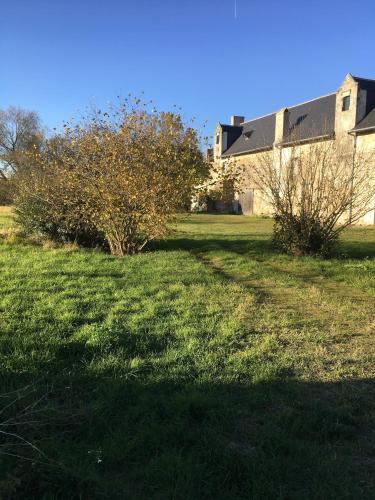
(58, 56)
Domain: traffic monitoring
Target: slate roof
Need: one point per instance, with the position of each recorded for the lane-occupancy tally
(312, 119)
(309, 120)
(369, 86)
(306, 121)
(369, 120)
(261, 134)
(234, 132)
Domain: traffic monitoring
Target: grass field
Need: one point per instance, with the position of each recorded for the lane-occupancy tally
(208, 367)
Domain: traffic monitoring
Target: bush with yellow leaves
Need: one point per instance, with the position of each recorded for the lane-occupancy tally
(116, 178)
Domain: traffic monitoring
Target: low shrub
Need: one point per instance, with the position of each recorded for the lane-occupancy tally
(302, 235)
(36, 218)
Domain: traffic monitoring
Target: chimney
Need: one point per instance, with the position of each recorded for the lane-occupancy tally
(281, 125)
(236, 120)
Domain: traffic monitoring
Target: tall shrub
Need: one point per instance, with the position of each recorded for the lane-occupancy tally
(121, 174)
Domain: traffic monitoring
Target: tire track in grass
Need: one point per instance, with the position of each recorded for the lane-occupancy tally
(339, 319)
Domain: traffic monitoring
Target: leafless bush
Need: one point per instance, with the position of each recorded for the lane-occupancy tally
(316, 191)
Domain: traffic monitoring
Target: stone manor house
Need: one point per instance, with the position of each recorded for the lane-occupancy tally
(347, 115)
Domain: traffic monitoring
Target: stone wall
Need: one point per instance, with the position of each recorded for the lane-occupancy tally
(365, 143)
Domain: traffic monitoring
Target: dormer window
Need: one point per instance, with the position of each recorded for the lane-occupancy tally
(248, 134)
(346, 103)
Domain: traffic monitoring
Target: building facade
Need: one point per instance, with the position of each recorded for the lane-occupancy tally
(347, 115)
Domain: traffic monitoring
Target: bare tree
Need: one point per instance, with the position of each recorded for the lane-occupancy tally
(20, 130)
(225, 178)
(316, 191)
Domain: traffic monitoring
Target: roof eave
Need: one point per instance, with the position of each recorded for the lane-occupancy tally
(359, 130)
(281, 145)
(257, 150)
(308, 139)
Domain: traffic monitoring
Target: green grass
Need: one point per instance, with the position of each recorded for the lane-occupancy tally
(208, 367)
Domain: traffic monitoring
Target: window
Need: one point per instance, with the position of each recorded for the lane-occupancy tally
(224, 141)
(217, 139)
(346, 103)
(248, 134)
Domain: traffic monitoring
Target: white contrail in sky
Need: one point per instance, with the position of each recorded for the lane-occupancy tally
(235, 9)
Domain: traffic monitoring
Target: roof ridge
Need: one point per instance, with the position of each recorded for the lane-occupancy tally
(259, 117)
(311, 100)
(366, 79)
(229, 125)
(289, 107)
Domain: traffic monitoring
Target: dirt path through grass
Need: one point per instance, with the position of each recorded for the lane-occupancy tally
(341, 316)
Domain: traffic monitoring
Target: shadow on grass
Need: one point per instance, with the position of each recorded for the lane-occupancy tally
(261, 246)
(134, 436)
(357, 249)
(257, 246)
